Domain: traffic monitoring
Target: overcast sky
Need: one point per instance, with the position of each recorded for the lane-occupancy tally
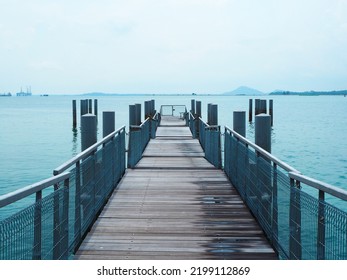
(172, 46)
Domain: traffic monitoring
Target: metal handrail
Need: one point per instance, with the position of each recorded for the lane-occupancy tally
(319, 185)
(16, 195)
(292, 172)
(86, 152)
(266, 154)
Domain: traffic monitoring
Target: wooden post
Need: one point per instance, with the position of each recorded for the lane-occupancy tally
(132, 115)
(88, 131)
(152, 107)
(263, 131)
(84, 107)
(108, 123)
(96, 108)
(192, 107)
(209, 113)
(74, 113)
(198, 109)
(250, 111)
(214, 114)
(257, 105)
(239, 122)
(138, 114)
(147, 109)
(263, 107)
(271, 105)
(90, 107)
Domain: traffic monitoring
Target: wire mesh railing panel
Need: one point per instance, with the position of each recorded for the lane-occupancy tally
(298, 224)
(17, 235)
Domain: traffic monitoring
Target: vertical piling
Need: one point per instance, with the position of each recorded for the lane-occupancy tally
(263, 107)
(138, 114)
(209, 113)
(263, 131)
(271, 105)
(198, 109)
(108, 122)
(74, 113)
(88, 131)
(250, 111)
(147, 112)
(96, 108)
(239, 122)
(257, 105)
(84, 107)
(90, 107)
(192, 106)
(152, 107)
(132, 115)
(214, 114)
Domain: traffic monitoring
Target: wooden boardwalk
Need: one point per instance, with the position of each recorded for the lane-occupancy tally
(175, 205)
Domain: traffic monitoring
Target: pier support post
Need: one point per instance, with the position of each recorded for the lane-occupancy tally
(263, 107)
(271, 107)
(214, 114)
(263, 131)
(132, 115)
(209, 113)
(257, 105)
(88, 131)
(108, 122)
(192, 106)
(74, 113)
(239, 122)
(84, 107)
(250, 111)
(138, 114)
(96, 108)
(152, 107)
(90, 107)
(148, 112)
(198, 109)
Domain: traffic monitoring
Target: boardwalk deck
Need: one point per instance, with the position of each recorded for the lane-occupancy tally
(175, 205)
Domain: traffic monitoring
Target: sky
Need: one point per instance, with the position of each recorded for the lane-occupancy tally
(167, 46)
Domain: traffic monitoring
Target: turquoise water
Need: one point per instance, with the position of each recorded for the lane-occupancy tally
(36, 133)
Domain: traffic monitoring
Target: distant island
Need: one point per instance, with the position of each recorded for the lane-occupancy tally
(243, 90)
(310, 93)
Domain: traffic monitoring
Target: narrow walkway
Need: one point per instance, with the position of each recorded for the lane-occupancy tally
(175, 205)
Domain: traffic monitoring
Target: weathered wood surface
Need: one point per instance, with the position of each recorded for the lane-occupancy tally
(175, 205)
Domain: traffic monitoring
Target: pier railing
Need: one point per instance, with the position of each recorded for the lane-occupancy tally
(139, 136)
(209, 137)
(54, 225)
(299, 225)
(39, 231)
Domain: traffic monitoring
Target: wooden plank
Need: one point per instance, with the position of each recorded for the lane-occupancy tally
(175, 205)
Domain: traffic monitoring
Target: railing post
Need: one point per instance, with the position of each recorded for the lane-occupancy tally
(65, 221)
(192, 105)
(275, 207)
(138, 114)
(38, 227)
(263, 139)
(321, 227)
(77, 225)
(295, 249)
(56, 223)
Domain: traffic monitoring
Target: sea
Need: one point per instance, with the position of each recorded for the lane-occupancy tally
(36, 133)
